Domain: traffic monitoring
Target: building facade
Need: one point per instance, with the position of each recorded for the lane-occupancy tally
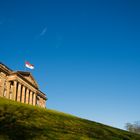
(20, 86)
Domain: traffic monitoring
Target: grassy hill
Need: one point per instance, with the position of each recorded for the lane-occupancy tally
(24, 122)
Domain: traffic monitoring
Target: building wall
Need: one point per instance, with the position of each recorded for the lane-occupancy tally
(3, 83)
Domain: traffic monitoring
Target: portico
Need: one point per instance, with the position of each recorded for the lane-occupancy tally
(21, 87)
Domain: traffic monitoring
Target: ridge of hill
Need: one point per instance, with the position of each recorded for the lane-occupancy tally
(25, 122)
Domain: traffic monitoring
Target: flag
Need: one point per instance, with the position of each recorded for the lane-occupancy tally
(28, 65)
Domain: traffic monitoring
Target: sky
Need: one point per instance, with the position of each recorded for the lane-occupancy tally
(86, 54)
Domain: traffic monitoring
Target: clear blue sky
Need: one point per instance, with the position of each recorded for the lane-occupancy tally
(86, 54)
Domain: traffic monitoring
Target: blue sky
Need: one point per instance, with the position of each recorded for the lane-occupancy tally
(86, 54)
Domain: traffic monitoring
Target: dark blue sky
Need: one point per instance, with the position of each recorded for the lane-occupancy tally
(86, 54)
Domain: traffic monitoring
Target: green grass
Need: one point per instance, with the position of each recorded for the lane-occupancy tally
(24, 122)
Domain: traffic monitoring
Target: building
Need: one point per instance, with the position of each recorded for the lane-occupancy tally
(20, 86)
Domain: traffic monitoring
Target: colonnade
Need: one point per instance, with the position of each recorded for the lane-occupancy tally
(20, 93)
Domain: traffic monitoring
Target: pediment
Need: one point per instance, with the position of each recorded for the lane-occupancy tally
(29, 77)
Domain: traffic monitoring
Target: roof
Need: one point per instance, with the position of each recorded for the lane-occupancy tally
(6, 66)
(29, 77)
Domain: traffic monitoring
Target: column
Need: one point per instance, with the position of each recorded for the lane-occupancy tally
(41, 102)
(19, 92)
(34, 99)
(31, 98)
(1, 83)
(1, 87)
(8, 90)
(23, 94)
(11, 91)
(44, 103)
(27, 96)
(15, 90)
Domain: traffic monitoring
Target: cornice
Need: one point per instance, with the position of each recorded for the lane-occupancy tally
(5, 69)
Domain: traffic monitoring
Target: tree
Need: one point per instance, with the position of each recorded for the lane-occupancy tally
(135, 127)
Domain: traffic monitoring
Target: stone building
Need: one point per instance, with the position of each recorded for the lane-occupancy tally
(20, 86)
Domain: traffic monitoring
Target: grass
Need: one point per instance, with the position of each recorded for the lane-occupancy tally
(24, 122)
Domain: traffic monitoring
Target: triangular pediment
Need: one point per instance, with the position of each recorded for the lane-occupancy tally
(29, 77)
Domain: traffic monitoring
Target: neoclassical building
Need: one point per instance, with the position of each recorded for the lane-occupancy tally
(20, 86)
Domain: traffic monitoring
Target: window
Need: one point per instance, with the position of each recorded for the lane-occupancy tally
(4, 93)
(37, 101)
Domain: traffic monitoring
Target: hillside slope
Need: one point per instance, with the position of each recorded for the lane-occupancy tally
(25, 122)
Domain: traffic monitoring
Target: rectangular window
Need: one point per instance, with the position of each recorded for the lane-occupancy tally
(4, 93)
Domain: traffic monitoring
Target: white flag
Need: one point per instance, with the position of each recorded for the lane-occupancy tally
(28, 65)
